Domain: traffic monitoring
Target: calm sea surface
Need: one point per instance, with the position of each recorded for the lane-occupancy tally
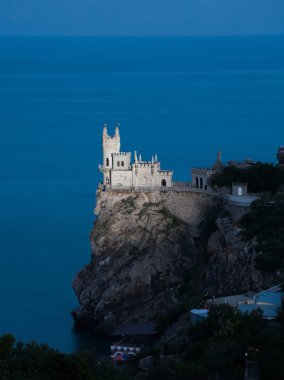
(183, 98)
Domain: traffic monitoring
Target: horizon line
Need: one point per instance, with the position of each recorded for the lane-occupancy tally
(141, 36)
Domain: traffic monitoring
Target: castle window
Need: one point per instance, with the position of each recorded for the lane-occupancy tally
(122, 163)
(107, 161)
(118, 163)
(107, 180)
(196, 182)
(163, 182)
(201, 183)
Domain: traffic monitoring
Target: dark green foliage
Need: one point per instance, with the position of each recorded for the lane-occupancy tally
(259, 177)
(173, 220)
(34, 361)
(229, 175)
(214, 348)
(219, 343)
(208, 225)
(169, 369)
(271, 354)
(265, 221)
(6, 345)
(171, 316)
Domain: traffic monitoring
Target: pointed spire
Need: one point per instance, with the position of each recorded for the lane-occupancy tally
(117, 129)
(140, 157)
(219, 157)
(105, 130)
(135, 157)
(156, 157)
(152, 159)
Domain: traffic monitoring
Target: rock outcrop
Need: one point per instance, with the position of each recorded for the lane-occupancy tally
(145, 245)
(142, 244)
(230, 263)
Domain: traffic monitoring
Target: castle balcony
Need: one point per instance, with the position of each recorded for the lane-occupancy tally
(103, 168)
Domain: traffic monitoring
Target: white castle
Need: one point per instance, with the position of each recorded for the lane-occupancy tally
(118, 171)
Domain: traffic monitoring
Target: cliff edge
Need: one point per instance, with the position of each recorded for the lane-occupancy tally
(142, 245)
(153, 251)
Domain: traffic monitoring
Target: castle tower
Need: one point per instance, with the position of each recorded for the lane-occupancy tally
(218, 166)
(110, 145)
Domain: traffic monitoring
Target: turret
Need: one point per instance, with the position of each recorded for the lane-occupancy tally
(117, 130)
(218, 166)
(105, 130)
(111, 144)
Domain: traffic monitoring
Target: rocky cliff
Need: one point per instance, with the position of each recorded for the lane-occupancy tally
(148, 251)
(142, 244)
(230, 263)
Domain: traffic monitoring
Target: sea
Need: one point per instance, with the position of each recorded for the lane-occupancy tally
(182, 98)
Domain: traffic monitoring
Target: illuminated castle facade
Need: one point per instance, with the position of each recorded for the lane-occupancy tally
(119, 171)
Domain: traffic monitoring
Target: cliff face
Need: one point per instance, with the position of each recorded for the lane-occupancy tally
(231, 262)
(142, 244)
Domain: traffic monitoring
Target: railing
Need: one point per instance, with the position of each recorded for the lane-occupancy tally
(179, 187)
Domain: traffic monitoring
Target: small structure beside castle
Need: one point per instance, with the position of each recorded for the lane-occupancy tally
(201, 176)
(119, 171)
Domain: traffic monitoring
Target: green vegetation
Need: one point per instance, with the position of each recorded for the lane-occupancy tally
(265, 221)
(208, 225)
(170, 317)
(34, 361)
(259, 177)
(216, 347)
(129, 203)
(174, 220)
(213, 348)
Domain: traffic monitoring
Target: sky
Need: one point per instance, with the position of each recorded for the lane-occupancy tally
(141, 17)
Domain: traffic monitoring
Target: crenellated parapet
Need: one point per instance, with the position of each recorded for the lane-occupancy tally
(239, 188)
(119, 171)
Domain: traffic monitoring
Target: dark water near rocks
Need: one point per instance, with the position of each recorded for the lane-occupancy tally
(183, 98)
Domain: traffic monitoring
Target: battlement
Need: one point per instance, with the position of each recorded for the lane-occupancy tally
(119, 171)
(239, 188)
(165, 172)
(241, 184)
(144, 164)
(121, 154)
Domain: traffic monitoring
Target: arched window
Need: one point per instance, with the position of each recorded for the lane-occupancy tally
(122, 163)
(107, 161)
(118, 163)
(163, 182)
(196, 182)
(107, 180)
(201, 183)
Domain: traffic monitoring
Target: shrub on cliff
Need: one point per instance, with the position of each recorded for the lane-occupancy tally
(265, 222)
(259, 177)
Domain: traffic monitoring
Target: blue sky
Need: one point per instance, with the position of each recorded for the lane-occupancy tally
(141, 17)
